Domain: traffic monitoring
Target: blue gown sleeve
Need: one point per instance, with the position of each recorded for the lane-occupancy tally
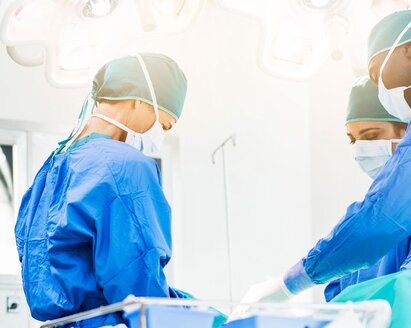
(368, 230)
(133, 238)
(332, 289)
(126, 260)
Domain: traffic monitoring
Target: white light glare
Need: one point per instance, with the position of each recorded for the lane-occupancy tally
(173, 7)
(147, 19)
(99, 8)
(75, 58)
(75, 51)
(337, 31)
(291, 48)
(318, 4)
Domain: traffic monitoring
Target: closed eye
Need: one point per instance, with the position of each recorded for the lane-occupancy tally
(370, 136)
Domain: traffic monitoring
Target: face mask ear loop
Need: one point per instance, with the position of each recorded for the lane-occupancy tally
(113, 122)
(62, 144)
(149, 83)
(93, 109)
(395, 141)
(397, 41)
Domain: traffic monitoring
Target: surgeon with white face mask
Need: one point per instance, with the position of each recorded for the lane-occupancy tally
(95, 225)
(394, 98)
(390, 63)
(374, 134)
(370, 229)
(145, 124)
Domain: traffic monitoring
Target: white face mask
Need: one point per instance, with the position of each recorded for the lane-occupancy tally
(150, 141)
(371, 155)
(393, 99)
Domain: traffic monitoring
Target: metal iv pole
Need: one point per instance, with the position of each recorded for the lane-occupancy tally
(221, 147)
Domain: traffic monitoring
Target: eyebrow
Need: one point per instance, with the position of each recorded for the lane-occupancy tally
(367, 130)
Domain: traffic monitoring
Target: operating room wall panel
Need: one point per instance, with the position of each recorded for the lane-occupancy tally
(337, 181)
(13, 162)
(14, 311)
(268, 170)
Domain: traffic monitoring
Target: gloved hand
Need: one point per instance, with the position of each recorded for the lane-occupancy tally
(273, 290)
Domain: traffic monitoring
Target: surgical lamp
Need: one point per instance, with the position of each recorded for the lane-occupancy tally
(73, 38)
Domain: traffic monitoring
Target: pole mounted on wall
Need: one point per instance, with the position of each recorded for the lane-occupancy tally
(231, 139)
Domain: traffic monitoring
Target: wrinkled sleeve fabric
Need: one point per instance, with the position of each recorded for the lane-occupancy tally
(133, 238)
(83, 192)
(368, 230)
(332, 290)
(124, 263)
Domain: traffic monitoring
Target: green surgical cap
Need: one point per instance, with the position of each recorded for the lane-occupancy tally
(364, 105)
(123, 79)
(386, 31)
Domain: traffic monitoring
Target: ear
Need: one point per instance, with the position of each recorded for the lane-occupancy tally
(402, 132)
(407, 51)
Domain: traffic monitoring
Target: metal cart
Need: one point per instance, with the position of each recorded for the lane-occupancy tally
(371, 314)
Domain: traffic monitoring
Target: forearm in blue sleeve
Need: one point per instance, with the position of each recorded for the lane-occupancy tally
(364, 235)
(296, 279)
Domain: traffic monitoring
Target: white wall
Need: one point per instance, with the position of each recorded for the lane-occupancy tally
(283, 146)
(229, 94)
(336, 179)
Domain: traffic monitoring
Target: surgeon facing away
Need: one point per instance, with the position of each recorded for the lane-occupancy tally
(372, 228)
(95, 226)
(375, 135)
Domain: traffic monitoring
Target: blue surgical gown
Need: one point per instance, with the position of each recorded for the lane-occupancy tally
(369, 230)
(93, 228)
(394, 261)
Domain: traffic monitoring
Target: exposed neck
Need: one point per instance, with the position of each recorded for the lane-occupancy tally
(97, 125)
